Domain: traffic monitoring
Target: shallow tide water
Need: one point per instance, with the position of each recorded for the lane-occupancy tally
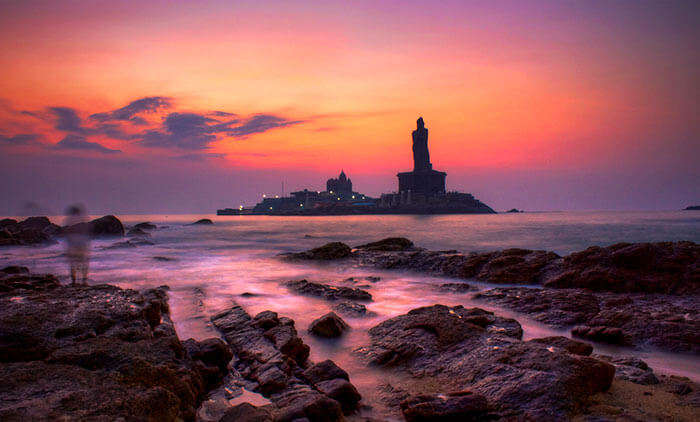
(208, 268)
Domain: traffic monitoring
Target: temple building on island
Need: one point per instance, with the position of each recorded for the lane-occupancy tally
(421, 191)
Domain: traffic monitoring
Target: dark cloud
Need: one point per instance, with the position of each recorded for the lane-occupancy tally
(261, 123)
(199, 156)
(130, 111)
(218, 113)
(67, 120)
(20, 139)
(184, 130)
(77, 142)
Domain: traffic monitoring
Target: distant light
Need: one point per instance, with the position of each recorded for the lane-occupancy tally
(270, 207)
(263, 195)
(338, 199)
(277, 196)
(353, 197)
(241, 207)
(331, 191)
(301, 205)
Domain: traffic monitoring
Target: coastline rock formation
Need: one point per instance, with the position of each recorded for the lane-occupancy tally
(274, 360)
(472, 350)
(639, 295)
(38, 230)
(97, 353)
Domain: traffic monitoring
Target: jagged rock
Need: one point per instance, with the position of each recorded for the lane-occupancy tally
(329, 325)
(94, 353)
(146, 226)
(203, 221)
(272, 356)
(328, 292)
(15, 269)
(246, 412)
(342, 391)
(565, 343)
(664, 267)
(30, 231)
(600, 333)
(16, 278)
(388, 244)
(327, 252)
(640, 320)
(132, 243)
(455, 407)
(324, 371)
(631, 369)
(472, 349)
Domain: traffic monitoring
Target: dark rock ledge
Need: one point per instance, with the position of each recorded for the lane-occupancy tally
(97, 353)
(274, 360)
(480, 369)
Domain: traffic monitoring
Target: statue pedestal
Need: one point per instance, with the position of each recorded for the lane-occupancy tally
(425, 182)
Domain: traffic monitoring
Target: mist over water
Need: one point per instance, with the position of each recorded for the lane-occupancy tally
(208, 268)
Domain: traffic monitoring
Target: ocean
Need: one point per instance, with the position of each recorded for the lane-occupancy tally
(208, 268)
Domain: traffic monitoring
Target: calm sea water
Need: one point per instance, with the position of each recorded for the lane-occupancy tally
(209, 267)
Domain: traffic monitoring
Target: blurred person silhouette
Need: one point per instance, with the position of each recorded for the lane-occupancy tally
(77, 242)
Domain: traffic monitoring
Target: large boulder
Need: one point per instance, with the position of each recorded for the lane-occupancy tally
(30, 231)
(471, 349)
(330, 325)
(96, 353)
(108, 225)
(202, 222)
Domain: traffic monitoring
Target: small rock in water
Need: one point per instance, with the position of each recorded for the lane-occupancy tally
(328, 292)
(327, 252)
(350, 308)
(203, 221)
(456, 287)
(329, 325)
(137, 232)
(145, 226)
(163, 258)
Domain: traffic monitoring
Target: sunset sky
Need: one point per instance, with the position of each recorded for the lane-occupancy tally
(144, 107)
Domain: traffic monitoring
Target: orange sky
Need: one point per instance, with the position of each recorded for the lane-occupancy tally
(590, 86)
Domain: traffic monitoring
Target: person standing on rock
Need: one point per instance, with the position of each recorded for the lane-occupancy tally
(77, 242)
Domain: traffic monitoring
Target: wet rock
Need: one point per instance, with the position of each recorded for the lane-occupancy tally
(108, 225)
(15, 269)
(132, 243)
(456, 287)
(137, 232)
(350, 308)
(328, 292)
(324, 371)
(95, 353)
(388, 244)
(631, 369)
(565, 343)
(19, 280)
(30, 231)
(667, 322)
(327, 252)
(147, 226)
(214, 355)
(246, 412)
(472, 349)
(342, 391)
(512, 266)
(664, 267)
(329, 325)
(599, 333)
(457, 407)
(273, 357)
(202, 222)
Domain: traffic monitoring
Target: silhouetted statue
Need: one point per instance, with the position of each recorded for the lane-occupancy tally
(421, 157)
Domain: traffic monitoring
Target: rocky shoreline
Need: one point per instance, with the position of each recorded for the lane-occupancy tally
(105, 353)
